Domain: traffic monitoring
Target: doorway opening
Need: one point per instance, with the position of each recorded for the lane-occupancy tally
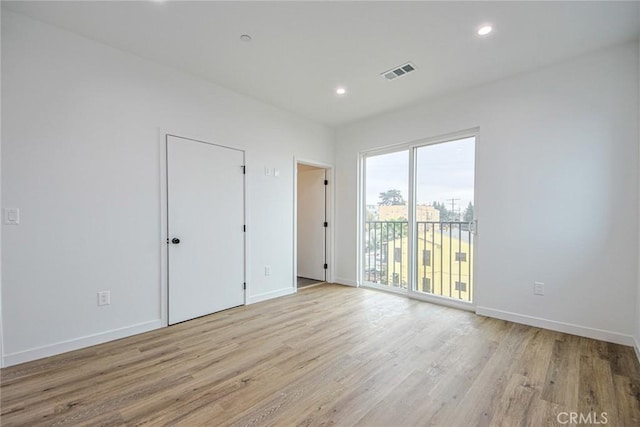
(312, 224)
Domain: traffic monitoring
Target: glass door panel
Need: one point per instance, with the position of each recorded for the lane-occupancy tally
(385, 237)
(444, 217)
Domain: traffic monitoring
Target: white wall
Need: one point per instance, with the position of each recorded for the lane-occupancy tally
(311, 215)
(81, 159)
(637, 317)
(556, 189)
(1, 317)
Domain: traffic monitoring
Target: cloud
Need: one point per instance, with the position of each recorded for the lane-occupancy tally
(444, 171)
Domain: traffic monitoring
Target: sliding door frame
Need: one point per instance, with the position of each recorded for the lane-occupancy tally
(412, 148)
(362, 216)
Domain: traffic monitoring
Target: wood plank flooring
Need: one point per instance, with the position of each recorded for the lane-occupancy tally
(305, 281)
(331, 355)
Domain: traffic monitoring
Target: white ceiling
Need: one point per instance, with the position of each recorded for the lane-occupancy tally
(301, 51)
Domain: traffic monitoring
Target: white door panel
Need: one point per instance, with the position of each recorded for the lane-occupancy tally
(205, 194)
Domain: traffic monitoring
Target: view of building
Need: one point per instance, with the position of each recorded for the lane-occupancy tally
(444, 266)
(399, 212)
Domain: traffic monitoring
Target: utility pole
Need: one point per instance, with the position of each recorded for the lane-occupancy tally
(453, 205)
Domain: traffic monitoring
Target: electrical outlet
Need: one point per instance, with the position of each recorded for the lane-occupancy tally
(267, 270)
(104, 297)
(11, 216)
(538, 288)
(267, 171)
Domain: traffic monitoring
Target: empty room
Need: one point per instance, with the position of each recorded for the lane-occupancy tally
(320, 213)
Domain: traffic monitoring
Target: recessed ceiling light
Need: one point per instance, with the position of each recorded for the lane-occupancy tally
(246, 38)
(340, 91)
(484, 30)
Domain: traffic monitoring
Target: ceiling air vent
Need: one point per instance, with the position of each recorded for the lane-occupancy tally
(400, 71)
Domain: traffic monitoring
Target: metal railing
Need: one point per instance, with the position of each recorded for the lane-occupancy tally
(443, 259)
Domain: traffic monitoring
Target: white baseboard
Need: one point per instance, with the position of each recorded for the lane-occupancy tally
(568, 328)
(447, 302)
(270, 295)
(78, 343)
(346, 282)
(636, 347)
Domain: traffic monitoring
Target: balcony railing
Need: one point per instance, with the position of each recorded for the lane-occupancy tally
(443, 259)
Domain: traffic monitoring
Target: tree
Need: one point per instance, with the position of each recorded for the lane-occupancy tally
(445, 214)
(391, 198)
(468, 213)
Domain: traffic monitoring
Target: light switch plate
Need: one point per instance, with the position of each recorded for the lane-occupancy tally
(104, 297)
(11, 216)
(538, 288)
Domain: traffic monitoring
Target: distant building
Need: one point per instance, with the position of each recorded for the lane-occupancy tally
(444, 265)
(427, 213)
(400, 212)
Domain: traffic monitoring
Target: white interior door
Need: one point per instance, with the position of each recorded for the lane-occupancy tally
(311, 217)
(205, 196)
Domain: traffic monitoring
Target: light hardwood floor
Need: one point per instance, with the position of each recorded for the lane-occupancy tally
(330, 355)
(303, 282)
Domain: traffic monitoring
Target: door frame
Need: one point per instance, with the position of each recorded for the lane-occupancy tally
(329, 209)
(412, 146)
(163, 134)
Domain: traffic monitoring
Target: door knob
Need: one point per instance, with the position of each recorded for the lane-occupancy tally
(175, 240)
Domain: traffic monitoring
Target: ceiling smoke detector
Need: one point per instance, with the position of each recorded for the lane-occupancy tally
(400, 71)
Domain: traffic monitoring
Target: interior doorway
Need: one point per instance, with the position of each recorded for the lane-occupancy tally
(312, 224)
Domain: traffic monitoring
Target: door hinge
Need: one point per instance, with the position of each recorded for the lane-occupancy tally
(244, 286)
(244, 228)
(326, 224)
(326, 182)
(244, 169)
(326, 266)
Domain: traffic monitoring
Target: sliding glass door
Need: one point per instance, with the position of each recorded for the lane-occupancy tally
(444, 218)
(386, 227)
(418, 217)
